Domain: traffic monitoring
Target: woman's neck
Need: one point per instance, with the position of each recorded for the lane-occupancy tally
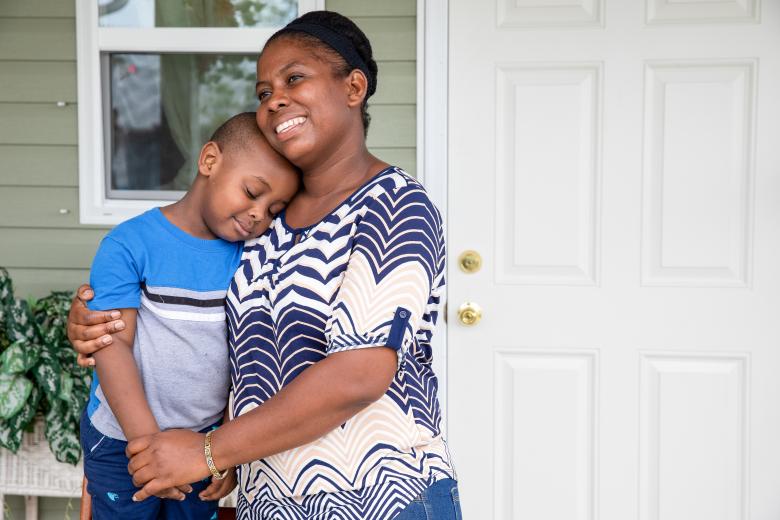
(328, 184)
(340, 172)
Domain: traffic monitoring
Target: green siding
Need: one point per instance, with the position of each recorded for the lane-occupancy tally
(39, 207)
(39, 39)
(375, 8)
(32, 81)
(37, 8)
(392, 38)
(54, 249)
(36, 165)
(47, 250)
(397, 84)
(38, 123)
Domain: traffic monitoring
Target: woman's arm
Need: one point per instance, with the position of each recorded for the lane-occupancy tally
(90, 331)
(221, 488)
(321, 398)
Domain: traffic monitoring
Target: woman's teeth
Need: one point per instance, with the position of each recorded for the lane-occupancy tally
(290, 123)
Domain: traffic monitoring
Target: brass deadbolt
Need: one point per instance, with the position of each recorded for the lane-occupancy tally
(469, 261)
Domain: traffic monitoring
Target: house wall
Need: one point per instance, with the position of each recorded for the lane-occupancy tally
(41, 241)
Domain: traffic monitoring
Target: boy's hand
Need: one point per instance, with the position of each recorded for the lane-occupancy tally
(175, 493)
(220, 488)
(89, 331)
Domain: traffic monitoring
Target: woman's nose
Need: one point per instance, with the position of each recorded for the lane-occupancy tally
(277, 100)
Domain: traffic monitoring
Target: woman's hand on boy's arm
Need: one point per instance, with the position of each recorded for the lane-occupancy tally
(89, 331)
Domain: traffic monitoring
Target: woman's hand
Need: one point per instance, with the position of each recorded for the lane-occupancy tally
(89, 331)
(165, 460)
(220, 488)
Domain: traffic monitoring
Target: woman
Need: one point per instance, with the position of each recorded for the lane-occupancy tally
(329, 315)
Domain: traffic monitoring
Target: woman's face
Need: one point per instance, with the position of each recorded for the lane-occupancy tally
(305, 110)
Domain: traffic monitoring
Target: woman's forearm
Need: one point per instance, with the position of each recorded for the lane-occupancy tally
(321, 398)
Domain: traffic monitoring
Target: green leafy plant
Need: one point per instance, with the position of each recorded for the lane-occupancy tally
(38, 372)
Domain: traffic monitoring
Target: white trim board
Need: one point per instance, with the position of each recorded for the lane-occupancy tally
(432, 150)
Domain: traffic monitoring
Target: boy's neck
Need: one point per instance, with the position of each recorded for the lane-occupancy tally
(186, 213)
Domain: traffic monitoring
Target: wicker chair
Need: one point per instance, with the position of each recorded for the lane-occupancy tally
(34, 472)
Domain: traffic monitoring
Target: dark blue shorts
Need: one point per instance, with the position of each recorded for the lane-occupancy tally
(111, 486)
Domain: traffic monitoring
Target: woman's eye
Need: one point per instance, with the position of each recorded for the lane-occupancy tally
(262, 95)
(250, 194)
(293, 78)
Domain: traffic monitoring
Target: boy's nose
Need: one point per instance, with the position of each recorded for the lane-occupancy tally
(256, 214)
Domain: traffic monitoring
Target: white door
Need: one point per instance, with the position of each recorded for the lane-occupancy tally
(616, 163)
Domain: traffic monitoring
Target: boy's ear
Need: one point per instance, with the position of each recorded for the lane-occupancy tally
(210, 158)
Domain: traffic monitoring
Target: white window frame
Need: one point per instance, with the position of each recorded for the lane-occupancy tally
(92, 40)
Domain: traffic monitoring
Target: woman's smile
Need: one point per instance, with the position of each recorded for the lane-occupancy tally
(289, 125)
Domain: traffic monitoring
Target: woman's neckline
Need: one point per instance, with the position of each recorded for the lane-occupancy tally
(303, 229)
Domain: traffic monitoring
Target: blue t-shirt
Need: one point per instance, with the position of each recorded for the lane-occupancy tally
(178, 284)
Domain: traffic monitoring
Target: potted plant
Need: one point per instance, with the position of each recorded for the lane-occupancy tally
(39, 376)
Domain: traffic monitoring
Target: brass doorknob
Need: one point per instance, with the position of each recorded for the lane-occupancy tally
(469, 313)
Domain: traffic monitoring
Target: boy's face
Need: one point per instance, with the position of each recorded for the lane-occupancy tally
(246, 190)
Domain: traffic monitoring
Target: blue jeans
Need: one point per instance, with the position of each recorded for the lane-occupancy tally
(440, 501)
(111, 486)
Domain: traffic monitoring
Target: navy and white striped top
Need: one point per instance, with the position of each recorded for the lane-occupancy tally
(371, 273)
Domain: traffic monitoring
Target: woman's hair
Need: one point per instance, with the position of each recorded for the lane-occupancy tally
(346, 28)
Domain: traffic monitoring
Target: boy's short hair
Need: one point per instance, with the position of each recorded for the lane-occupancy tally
(238, 133)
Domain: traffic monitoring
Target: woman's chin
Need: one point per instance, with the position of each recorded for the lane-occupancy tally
(299, 151)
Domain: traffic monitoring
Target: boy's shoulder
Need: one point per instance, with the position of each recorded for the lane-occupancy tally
(142, 227)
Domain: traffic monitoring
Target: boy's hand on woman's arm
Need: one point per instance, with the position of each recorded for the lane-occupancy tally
(220, 488)
(90, 331)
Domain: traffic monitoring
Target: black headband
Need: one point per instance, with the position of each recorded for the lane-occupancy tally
(338, 43)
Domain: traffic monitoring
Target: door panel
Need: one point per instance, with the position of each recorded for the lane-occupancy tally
(616, 165)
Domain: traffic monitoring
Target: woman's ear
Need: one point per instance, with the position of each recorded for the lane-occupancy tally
(210, 158)
(357, 87)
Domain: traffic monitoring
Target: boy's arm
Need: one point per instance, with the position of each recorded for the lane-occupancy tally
(121, 382)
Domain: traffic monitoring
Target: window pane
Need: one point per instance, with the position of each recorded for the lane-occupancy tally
(163, 107)
(196, 13)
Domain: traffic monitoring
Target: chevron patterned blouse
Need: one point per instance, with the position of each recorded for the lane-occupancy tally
(370, 274)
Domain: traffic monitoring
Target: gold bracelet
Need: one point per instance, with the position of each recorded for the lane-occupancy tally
(210, 461)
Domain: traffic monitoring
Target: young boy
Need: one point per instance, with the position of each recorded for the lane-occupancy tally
(168, 270)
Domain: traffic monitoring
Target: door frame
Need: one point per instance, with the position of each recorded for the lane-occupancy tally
(432, 143)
